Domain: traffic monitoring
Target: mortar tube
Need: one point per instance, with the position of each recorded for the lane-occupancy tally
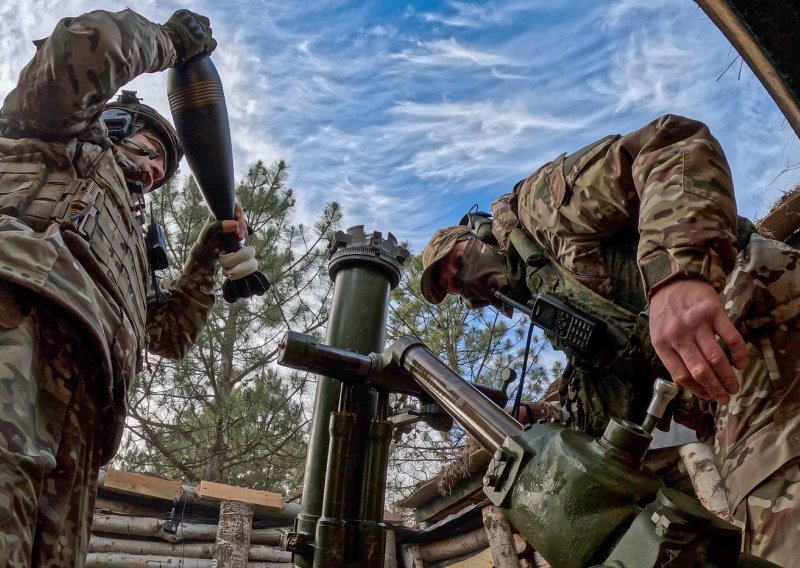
(372, 530)
(329, 543)
(364, 268)
(477, 414)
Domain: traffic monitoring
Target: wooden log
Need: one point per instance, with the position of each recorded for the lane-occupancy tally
(454, 546)
(193, 550)
(539, 561)
(480, 559)
(462, 545)
(706, 480)
(390, 554)
(114, 560)
(269, 554)
(411, 556)
(501, 540)
(233, 534)
(148, 548)
(153, 528)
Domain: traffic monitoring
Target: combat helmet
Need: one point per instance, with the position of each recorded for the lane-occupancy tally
(128, 115)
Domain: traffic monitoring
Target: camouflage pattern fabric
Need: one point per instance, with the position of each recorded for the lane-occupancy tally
(757, 443)
(770, 517)
(63, 90)
(669, 176)
(173, 325)
(51, 453)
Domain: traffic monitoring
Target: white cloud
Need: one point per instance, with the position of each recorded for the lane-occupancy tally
(654, 73)
(465, 14)
(449, 52)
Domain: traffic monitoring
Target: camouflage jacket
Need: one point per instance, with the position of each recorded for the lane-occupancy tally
(669, 187)
(669, 180)
(51, 138)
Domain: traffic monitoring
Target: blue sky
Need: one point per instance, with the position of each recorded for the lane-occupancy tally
(408, 113)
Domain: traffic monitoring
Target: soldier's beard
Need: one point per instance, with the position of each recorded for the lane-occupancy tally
(482, 272)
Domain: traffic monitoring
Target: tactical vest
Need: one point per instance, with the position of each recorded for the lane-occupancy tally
(99, 220)
(616, 378)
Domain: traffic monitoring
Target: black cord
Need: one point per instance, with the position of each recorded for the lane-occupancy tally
(518, 399)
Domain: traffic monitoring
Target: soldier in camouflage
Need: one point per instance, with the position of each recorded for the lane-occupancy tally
(76, 309)
(648, 220)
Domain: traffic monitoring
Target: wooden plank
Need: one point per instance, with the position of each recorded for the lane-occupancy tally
(392, 518)
(138, 484)
(222, 492)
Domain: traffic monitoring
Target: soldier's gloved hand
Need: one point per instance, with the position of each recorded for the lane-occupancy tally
(190, 34)
(209, 243)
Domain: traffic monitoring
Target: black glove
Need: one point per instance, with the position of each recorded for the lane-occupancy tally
(190, 34)
(209, 243)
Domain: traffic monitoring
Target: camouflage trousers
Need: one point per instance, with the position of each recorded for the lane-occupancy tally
(49, 456)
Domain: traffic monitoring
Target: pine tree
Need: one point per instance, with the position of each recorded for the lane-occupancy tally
(225, 412)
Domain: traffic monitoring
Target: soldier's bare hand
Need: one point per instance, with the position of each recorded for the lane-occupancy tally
(237, 225)
(686, 321)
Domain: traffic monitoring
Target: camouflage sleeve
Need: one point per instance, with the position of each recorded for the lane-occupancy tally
(174, 325)
(669, 180)
(504, 218)
(687, 211)
(78, 68)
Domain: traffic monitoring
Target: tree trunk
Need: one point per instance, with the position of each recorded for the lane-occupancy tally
(233, 534)
(501, 541)
(215, 469)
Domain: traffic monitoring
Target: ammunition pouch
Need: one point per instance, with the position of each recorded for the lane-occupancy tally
(100, 222)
